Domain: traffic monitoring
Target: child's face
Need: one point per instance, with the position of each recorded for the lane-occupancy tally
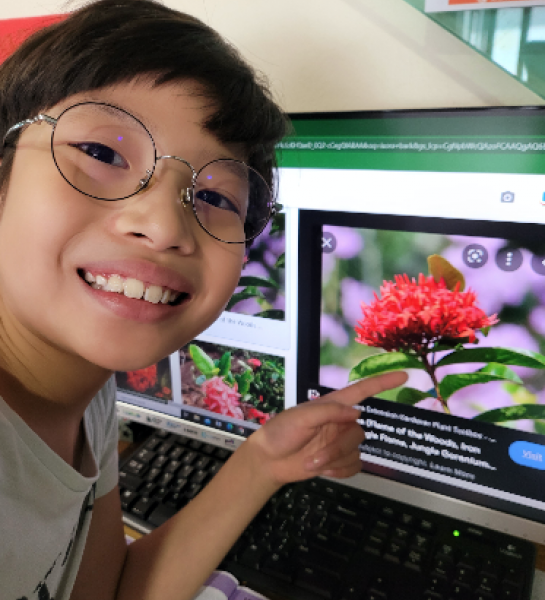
(51, 235)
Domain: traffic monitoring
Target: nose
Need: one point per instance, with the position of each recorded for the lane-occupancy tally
(161, 217)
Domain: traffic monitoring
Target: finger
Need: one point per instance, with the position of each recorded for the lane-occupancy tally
(355, 393)
(345, 442)
(318, 414)
(346, 467)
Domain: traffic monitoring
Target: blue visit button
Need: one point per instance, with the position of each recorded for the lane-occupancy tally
(528, 454)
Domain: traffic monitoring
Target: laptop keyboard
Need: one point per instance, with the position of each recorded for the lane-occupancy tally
(321, 540)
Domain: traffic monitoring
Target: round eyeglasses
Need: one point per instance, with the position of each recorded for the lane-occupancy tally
(106, 153)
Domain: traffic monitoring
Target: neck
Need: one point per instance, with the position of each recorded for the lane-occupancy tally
(48, 388)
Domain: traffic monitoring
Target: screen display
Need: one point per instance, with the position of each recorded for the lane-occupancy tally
(374, 205)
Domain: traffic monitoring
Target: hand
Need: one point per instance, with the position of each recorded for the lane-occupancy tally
(320, 437)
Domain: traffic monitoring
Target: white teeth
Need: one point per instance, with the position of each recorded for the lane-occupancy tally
(133, 288)
(114, 284)
(153, 294)
(100, 280)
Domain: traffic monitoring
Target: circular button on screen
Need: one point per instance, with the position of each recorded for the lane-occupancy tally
(538, 264)
(509, 259)
(475, 256)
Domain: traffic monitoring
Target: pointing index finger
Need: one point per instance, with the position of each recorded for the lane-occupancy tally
(355, 393)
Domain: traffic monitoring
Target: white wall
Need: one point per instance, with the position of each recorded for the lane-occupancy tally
(322, 55)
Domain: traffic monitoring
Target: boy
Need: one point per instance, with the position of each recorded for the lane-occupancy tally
(138, 151)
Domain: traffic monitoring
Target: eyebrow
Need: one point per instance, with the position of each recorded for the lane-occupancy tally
(149, 124)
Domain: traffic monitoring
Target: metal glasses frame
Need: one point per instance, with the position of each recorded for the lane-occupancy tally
(187, 195)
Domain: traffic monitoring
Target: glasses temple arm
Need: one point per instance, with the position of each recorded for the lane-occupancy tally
(37, 119)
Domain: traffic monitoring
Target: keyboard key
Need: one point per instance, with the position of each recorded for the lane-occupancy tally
(461, 591)
(135, 467)
(130, 482)
(143, 507)
(280, 566)
(317, 581)
(172, 466)
(160, 461)
(222, 453)
(509, 592)
(480, 595)
(514, 576)
(192, 490)
(128, 498)
(414, 561)
(165, 448)
(388, 512)
(152, 474)
(202, 462)
(160, 514)
(145, 455)
(487, 583)
(176, 452)
(252, 556)
(199, 476)
(153, 443)
(147, 489)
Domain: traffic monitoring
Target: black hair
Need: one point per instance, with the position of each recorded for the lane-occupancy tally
(107, 42)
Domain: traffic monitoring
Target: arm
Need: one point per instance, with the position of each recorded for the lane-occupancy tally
(317, 438)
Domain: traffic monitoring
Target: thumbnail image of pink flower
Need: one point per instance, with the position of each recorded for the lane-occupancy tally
(233, 382)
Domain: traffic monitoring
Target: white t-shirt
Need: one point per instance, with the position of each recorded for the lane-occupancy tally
(46, 505)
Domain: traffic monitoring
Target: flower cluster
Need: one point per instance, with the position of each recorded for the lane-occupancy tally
(143, 379)
(414, 315)
(221, 398)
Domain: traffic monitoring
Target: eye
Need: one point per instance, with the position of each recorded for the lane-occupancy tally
(102, 153)
(217, 200)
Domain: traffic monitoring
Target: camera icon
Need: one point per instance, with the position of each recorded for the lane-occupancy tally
(508, 197)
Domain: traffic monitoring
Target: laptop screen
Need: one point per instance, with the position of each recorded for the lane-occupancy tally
(375, 204)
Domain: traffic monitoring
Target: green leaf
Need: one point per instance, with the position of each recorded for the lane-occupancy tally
(250, 292)
(503, 356)
(202, 361)
(257, 282)
(491, 372)
(513, 413)
(383, 363)
(224, 364)
(411, 396)
(243, 381)
(272, 313)
(278, 224)
(281, 262)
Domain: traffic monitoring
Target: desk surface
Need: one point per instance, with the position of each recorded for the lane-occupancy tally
(124, 448)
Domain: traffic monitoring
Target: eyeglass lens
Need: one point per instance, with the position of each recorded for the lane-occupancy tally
(106, 153)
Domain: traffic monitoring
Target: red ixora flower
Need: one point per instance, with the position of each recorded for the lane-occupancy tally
(259, 415)
(412, 316)
(143, 379)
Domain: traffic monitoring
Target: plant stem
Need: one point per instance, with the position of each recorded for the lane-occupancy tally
(430, 368)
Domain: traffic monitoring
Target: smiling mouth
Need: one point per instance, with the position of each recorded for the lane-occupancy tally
(133, 288)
